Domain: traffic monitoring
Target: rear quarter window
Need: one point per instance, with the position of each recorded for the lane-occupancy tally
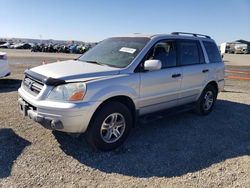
(212, 52)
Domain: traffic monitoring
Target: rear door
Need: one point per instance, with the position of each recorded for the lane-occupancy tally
(195, 70)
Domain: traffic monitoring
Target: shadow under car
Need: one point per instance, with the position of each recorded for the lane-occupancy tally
(171, 145)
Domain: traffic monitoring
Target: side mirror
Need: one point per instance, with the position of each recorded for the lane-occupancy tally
(152, 65)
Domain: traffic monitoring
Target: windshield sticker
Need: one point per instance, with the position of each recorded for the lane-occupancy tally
(127, 50)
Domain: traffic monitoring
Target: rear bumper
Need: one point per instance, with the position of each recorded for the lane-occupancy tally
(2, 75)
(221, 85)
(4, 68)
(65, 117)
(4, 72)
(8, 74)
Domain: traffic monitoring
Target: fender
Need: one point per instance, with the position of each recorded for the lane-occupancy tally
(126, 85)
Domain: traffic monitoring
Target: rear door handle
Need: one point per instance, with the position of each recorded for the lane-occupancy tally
(176, 75)
(205, 70)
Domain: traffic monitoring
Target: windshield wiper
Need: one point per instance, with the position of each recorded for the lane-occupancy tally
(94, 62)
(98, 63)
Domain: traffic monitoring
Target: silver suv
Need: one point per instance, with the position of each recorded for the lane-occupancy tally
(104, 91)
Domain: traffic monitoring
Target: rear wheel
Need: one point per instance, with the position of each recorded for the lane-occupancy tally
(109, 127)
(206, 101)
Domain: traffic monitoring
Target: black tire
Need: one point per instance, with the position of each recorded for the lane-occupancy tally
(200, 107)
(95, 137)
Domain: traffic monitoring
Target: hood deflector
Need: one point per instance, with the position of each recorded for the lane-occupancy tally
(43, 79)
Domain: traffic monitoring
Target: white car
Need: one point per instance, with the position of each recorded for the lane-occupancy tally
(4, 65)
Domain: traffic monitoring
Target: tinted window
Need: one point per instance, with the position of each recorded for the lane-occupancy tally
(212, 52)
(164, 51)
(189, 53)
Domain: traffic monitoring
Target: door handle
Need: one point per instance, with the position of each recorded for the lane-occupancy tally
(176, 75)
(205, 70)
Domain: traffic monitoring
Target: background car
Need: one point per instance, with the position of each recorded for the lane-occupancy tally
(51, 46)
(5, 45)
(4, 65)
(21, 46)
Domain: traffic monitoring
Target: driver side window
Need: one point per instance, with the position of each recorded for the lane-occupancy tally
(165, 51)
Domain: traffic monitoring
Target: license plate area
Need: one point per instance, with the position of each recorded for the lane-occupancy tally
(24, 107)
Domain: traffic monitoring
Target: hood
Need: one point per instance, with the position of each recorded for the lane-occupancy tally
(75, 70)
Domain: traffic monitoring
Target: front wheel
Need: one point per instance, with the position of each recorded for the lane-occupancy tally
(109, 127)
(206, 101)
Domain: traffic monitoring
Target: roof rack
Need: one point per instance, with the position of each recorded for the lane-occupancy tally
(194, 34)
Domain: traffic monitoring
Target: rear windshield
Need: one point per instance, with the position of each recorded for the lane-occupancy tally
(212, 52)
(115, 52)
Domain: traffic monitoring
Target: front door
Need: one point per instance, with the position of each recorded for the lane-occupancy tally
(160, 89)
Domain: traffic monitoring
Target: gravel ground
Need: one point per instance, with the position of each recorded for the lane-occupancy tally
(181, 150)
(237, 59)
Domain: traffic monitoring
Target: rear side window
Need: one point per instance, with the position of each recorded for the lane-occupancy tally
(212, 52)
(190, 53)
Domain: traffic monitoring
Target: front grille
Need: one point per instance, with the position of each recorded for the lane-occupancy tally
(32, 85)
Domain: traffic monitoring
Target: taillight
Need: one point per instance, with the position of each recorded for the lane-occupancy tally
(3, 57)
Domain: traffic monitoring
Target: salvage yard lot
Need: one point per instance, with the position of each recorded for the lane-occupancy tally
(181, 150)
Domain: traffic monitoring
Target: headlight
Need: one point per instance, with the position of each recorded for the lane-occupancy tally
(68, 92)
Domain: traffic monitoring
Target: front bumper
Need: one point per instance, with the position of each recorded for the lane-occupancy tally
(47, 122)
(65, 117)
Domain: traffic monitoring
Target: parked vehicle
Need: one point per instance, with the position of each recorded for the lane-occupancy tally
(2, 42)
(104, 91)
(227, 48)
(5, 45)
(21, 46)
(245, 51)
(241, 50)
(4, 66)
(60, 48)
(36, 48)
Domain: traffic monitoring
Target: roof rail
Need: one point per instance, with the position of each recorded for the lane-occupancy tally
(194, 34)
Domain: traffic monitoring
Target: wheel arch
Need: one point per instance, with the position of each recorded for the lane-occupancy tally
(123, 99)
(214, 84)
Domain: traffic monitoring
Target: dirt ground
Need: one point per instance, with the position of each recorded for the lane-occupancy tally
(181, 150)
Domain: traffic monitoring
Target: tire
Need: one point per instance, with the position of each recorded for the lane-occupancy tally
(102, 132)
(203, 106)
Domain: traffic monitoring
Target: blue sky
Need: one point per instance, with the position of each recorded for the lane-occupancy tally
(94, 20)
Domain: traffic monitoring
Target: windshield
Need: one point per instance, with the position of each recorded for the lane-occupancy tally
(115, 52)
